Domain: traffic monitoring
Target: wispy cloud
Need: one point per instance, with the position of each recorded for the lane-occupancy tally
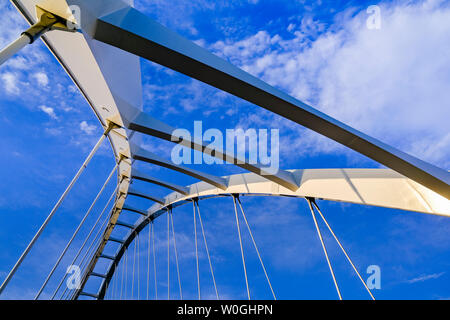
(87, 128)
(10, 83)
(41, 78)
(426, 277)
(358, 75)
(49, 111)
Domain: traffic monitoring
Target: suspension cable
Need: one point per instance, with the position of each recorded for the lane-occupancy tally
(97, 241)
(126, 274)
(343, 250)
(256, 248)
(176, 254)
(121, 284)
(148, 260)
(138, 268)
(110, 289)
(207, 250)
(196, 253)
(242, 248)
(75, 233)
(70, 295)
(324, 248)
(154, 261)
(84, 261)
(116, 275)
(134, 265)
(87, 239)
(168, 255)
(55, 208)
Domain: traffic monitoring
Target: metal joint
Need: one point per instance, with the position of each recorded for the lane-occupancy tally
(45, 23)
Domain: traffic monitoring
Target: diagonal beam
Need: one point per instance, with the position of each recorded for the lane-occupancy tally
(132, 209)
(143, 155)
(136, 120)
(132, 31)
(138, 175)
(133, 192)
(123, 224)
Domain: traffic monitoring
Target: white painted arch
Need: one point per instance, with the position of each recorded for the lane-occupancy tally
(373, 187)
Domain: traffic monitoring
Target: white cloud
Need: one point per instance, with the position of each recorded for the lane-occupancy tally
(17, 62)
(49, 111)
(86, 128)
(41, 78)
(53, 131)
(10, 83)
(426, 277)
(390, 83)
(11, 24)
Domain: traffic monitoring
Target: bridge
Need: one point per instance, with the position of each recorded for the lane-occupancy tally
(111, 33)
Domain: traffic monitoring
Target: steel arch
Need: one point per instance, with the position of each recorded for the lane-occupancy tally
(359, 186)
(116, 96)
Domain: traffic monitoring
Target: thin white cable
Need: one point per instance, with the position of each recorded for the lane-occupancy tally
(84, 263)
(242, 248)
(126, 274)
(116, 279)
(256, 248)
(138, 269)
(86, 254)
(343, 250)
(207, 250)
(148, 260)
(114, 284)
(108, 290)
(168, 255)
(123, 275)
(196, 252)
(154, 261)
(63, 253)
(176, 255)
(324, 249)
(87, 239)
(52, 213)
(134, 265)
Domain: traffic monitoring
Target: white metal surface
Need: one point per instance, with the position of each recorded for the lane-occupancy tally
(106, 76)
(13, 48)
(373, 187)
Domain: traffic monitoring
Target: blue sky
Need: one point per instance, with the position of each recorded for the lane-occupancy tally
(391, 83)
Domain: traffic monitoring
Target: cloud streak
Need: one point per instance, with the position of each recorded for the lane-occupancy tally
(426, 277)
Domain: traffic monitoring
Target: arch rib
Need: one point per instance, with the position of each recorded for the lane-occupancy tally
(138, 175)
(134, 192)
(136, 120)
(359, 186)
(143, 155)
